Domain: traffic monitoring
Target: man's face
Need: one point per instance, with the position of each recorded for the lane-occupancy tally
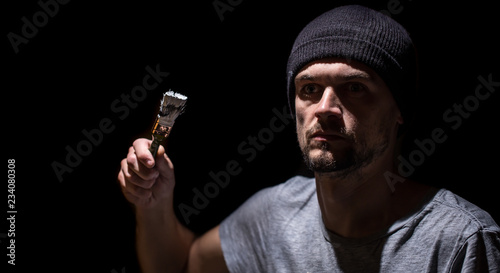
(346, 116)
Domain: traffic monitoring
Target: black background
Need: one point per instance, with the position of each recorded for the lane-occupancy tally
(66, 77)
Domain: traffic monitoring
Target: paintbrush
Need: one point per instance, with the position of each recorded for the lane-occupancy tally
(171, 106)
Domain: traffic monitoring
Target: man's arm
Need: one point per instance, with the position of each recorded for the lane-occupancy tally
(163, 243)
(479, 253)
(206, 254)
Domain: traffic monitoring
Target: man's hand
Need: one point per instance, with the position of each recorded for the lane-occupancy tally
(163, 243)
(147, 182)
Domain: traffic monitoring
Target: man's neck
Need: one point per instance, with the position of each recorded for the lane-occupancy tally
(362, 204)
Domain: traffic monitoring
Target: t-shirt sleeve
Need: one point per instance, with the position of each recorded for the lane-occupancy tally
(245, 234)
(480, 253)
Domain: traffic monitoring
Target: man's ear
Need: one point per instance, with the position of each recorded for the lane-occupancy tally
(400, 120)
(401, 124)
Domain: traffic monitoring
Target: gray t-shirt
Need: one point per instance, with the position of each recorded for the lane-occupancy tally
(279, 229)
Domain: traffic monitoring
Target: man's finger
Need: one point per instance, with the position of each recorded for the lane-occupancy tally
(141, 147)
(164, 164)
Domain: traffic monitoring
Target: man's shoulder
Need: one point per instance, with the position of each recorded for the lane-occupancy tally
(454, 208)
(299, 184)
(286, 196)
(453, 218)
(459, 232)
(296, 189)
(281, 197)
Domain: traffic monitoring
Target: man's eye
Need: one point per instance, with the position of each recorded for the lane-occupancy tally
(310, 89)
(356, 89)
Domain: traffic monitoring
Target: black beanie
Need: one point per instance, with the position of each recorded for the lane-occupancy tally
(365, 35)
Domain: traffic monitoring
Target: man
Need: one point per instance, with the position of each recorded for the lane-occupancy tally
(351, 83)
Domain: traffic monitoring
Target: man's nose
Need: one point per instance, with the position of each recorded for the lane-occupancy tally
(329, 105)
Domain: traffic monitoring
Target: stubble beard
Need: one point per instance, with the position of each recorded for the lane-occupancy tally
(324, 159)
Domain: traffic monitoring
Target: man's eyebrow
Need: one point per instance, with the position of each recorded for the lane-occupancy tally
(356, 75)
(305, 77)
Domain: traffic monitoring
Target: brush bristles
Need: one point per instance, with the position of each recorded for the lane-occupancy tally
(173, 94)
(172, 105)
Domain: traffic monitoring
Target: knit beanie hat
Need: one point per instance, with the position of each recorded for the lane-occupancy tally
(365, 35)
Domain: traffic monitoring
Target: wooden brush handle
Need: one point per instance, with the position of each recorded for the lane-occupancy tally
(159, 135)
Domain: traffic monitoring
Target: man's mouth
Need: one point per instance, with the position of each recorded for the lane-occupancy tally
(326, 136)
